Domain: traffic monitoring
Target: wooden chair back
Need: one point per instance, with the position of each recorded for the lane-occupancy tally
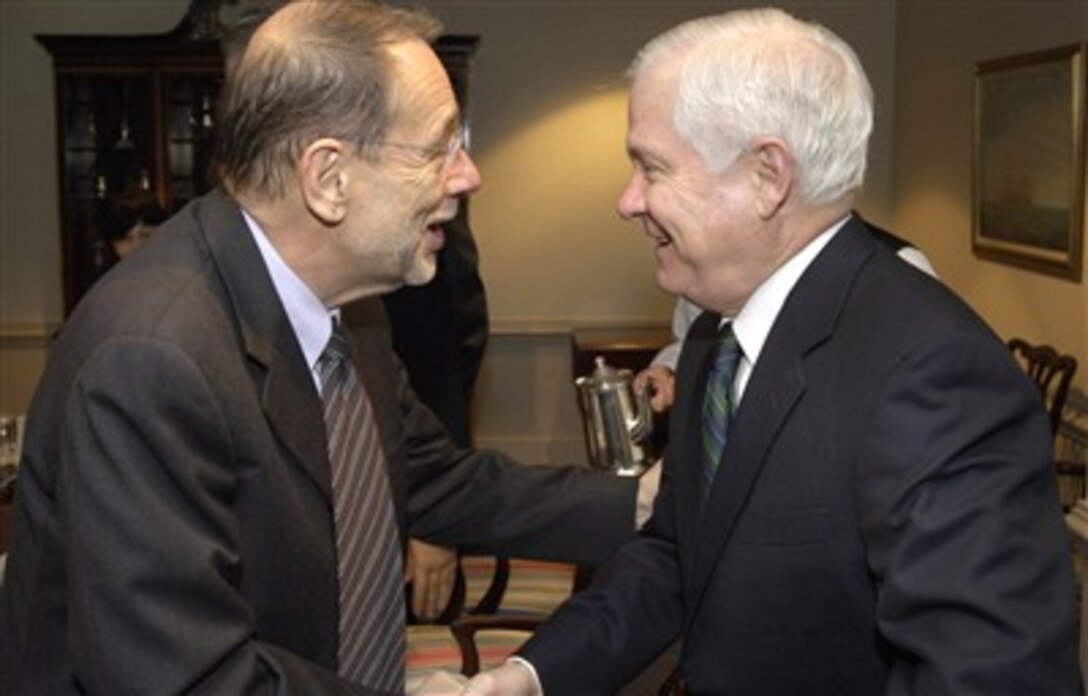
(1051, 371)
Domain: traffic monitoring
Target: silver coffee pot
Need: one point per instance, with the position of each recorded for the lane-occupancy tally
(617, 420)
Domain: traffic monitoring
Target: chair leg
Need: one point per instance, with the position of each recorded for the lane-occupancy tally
(1070, 482)
(466, 627)
(466, 642)
(489, 603)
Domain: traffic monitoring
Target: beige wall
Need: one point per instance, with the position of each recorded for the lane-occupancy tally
(548, 117)
(939, 44)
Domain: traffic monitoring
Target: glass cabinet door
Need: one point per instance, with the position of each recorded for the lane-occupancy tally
(190, 108)
(107, 153)
(135, 145)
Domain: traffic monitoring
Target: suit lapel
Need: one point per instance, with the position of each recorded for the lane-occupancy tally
(764, 409)
(293, 409)
(279, 370)
(776, 385)
(685, 430)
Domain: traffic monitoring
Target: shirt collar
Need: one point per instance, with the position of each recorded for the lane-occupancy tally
(309, 318)
(756, 318)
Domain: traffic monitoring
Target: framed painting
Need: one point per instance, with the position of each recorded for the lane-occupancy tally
(1028, 206)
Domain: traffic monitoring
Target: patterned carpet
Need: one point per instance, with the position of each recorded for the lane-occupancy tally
(534, 586)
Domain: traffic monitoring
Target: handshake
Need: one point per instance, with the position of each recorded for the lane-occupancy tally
(512, 678)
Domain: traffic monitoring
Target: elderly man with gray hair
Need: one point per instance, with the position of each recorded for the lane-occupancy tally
(857, 495)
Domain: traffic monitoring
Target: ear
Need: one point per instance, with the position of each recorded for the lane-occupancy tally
(775, 172)
(323, 175)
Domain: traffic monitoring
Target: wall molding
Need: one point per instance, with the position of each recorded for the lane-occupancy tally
(554, 327)
(27, 336)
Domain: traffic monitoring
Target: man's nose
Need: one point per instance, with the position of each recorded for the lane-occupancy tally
(464, 176)
(632, 201)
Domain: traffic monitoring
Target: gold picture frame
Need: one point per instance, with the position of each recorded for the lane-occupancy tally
(1028, 192)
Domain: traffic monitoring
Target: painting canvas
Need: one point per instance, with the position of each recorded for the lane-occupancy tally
(1029, 160)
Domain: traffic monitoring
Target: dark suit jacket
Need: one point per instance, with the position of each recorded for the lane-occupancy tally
(173, 528)
(885, 518)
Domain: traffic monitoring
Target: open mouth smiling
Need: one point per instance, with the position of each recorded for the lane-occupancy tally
(658, 236)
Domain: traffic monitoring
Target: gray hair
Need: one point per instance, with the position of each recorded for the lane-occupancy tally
(327, 75)
(763, 73)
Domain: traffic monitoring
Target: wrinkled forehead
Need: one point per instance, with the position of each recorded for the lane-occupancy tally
(420, 88)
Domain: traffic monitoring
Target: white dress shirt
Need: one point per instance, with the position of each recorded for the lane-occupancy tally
(310, 320)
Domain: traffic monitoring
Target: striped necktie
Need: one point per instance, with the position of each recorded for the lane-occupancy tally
(718, 404)
(372, 621)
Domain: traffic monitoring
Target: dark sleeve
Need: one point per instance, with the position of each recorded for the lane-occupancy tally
(963, 530)
(605, 635)
(484, 501)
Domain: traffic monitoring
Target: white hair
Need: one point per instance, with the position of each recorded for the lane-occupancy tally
(763, 73)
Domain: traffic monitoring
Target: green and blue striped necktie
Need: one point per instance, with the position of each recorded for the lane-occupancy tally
(718, 404)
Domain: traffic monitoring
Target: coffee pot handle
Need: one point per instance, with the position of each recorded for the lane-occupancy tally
(643, 423)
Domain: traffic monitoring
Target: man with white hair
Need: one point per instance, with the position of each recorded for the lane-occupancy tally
(857, 495)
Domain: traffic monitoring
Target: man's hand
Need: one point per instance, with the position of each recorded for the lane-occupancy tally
(663, 382)
(431, 570)
(513, 678)
(440, 683)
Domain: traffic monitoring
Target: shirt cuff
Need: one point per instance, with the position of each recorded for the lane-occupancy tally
(538, 690)
(648, 484)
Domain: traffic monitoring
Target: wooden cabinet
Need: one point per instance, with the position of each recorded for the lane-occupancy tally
(135, 117)
(135, 120)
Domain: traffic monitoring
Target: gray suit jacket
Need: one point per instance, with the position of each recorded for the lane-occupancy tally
(173, 528)
(885, 518)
